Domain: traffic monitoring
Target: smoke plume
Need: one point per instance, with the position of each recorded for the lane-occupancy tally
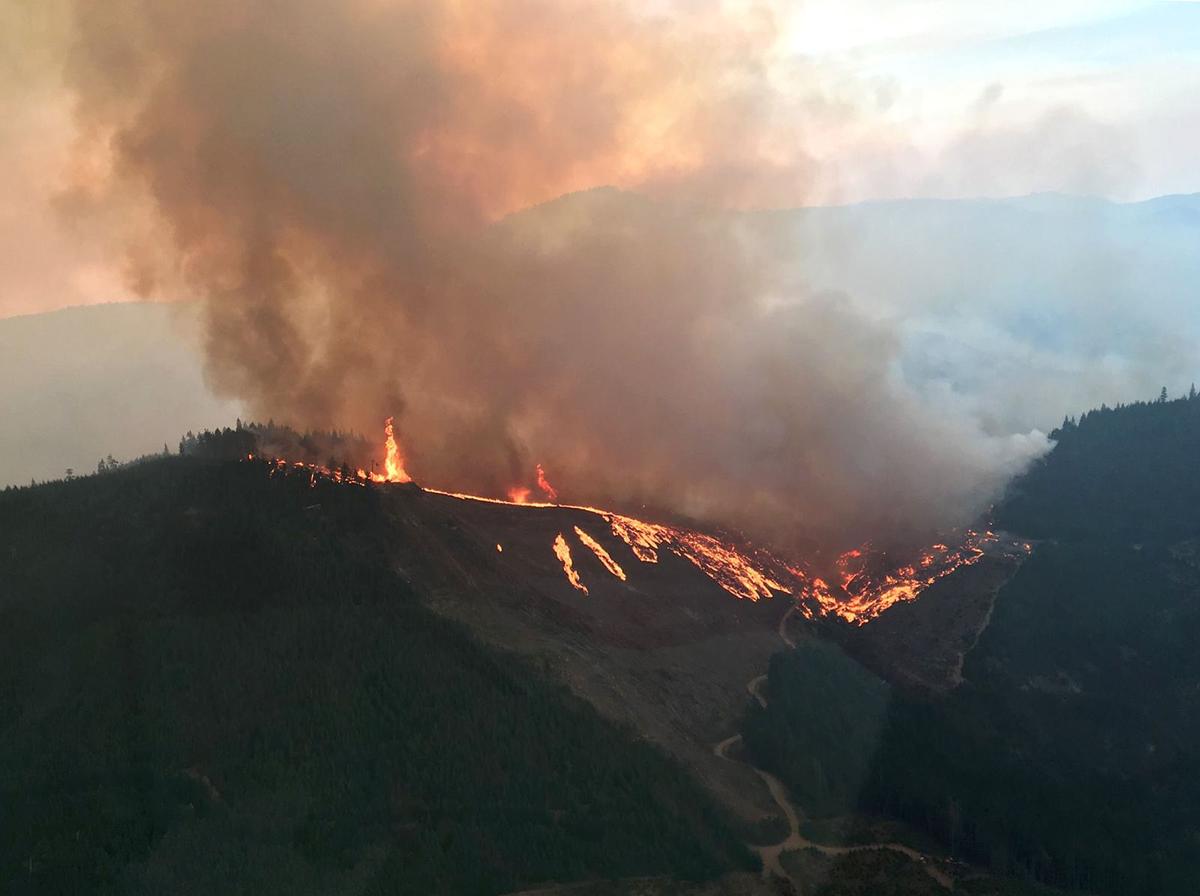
(363, 194)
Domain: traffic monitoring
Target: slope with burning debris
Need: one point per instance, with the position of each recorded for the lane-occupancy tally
(212, 679)
(663, 647)
(1052, 731)
(657, 625)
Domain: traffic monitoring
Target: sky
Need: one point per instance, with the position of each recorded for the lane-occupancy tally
(947, 99)
(981, 99)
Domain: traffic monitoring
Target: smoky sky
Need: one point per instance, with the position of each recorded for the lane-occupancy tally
(364, 196)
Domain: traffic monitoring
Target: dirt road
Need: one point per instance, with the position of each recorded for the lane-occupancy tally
(771, 855)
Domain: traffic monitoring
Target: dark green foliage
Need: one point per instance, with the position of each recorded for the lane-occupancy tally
(1071, 755)
(822, 725)
(1129, 474)
(1073, 752)
(220, 444)
(211, 682)
(865, 873)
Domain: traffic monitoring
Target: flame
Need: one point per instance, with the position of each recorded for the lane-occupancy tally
(723, 563)
(643, 538)
(393, 464)
(867, 583)
(742, 576)
(866, 592)
(602, 555)
(544, 484)
(563, 552)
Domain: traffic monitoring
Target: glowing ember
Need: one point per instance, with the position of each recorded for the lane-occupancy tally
(867, 590)
(867, 583)
(316, 472)
(393, 463)
(602, 555)
(545, 486)
(643, 538)
(721, 562)
(563, 552)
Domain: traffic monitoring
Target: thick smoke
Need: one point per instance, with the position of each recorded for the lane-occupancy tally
(333, 181)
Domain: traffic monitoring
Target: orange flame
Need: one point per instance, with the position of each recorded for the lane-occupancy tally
(544, 484)
(866, 586)
(563, 552)
(602, 555)
(866, 592)
(393, 464)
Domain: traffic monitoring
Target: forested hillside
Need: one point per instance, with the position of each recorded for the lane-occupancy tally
(1123, 474)
(1071, 753)
(211, 682)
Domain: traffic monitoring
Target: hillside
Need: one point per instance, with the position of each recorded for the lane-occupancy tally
(234, 674)
(1068, 754)
(215, 680)
(244, 676)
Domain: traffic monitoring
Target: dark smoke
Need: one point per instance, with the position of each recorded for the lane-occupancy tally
(332, 180)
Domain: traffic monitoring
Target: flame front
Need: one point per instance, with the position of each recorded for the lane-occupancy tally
(867, 592)
(724, 564)
(563, 552)
(866, 584)
(393, 463)
(602, 555)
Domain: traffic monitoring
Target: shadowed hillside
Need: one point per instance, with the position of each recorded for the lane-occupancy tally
(212, 680)
(1069, 752)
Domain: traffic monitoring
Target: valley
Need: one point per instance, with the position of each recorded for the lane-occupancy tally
(769, 740)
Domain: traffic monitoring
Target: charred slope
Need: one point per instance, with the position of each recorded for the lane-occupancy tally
(662, 648)
(1070, 752)
(212, 680)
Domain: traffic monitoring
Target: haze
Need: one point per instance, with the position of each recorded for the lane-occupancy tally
(346, 193)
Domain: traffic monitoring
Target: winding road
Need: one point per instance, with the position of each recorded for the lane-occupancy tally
(771, 855)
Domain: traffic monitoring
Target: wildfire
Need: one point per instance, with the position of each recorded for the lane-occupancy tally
(563, 551)
(867, 582)
(866, 590)
(602, 555)
(393, 463)
(315, 472)
(723, 563)
(545, 486)
(643, 538)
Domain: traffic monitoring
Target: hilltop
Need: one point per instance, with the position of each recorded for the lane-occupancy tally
(320, 684)
(218, 680)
